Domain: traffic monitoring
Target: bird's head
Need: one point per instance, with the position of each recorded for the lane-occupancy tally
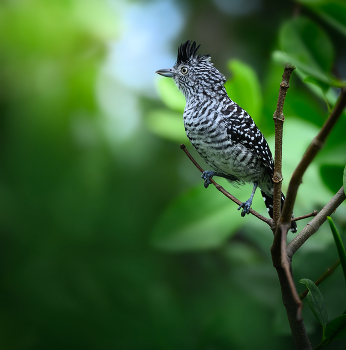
(194, 74)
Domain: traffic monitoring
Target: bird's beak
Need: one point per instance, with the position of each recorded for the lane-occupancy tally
(165, 72)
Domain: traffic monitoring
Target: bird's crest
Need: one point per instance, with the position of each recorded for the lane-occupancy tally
(188, 51)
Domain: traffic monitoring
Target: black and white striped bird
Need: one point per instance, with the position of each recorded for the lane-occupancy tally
(223, 133)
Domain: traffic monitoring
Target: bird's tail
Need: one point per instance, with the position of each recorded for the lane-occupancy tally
(269, 204)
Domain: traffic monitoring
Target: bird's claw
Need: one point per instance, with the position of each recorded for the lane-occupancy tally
(246, 208)
(207, 176)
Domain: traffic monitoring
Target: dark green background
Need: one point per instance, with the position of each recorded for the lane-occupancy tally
(111, 242)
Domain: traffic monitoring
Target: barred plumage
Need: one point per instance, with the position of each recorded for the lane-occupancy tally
(222, 132)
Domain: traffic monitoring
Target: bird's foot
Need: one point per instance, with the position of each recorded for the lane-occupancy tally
(246, 207)
(207, 176)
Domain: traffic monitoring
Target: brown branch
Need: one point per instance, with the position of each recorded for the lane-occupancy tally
(223, 191)
(281, 261)
(321, 279)
(313, 149)
(282, 265)
(315, 223)
(289, 293)
(279, 121)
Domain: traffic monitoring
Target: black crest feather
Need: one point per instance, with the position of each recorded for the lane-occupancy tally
(188, 51)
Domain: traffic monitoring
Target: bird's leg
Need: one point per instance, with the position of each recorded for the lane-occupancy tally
(246, 205)
(208, 174)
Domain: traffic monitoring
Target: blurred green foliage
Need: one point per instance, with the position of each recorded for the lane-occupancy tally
(244, 87)
(114, 243)
(332, 11)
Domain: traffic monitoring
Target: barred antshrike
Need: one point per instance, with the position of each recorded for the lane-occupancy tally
(223, 133)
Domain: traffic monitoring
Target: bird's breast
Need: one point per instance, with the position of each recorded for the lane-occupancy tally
(206, 129)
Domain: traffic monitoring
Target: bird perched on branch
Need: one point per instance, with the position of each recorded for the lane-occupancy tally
(223, 133)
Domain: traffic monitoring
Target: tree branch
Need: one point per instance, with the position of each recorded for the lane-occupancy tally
(222, 190)
(315, 223)
(282, 265)
(313, 149)
(289, 293)
(279, 121)
(279, 249)
(281, 262)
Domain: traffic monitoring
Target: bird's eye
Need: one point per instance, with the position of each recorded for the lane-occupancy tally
(184, 70)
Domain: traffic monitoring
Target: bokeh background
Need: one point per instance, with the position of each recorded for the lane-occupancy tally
(108, 238)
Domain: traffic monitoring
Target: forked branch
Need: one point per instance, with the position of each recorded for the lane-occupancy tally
(290, 296)
(279, 249)
(282, 265)
(313, 149)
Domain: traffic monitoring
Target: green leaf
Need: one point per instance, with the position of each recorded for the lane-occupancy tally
(336, 329)
(330, 96)
(305, 41)
(322, 85)
(307, 46)
(244, 88)
(339, 245)
(199, 219)
(312, 80)
(344, 180)
(284, 58)
(332, 176)
(316, 302)
(166, 124)
(331, 11)
(170, 94)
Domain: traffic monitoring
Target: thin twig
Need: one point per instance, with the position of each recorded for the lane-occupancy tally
(314, 213)
(222, 190)
(315, 223)
(278, 122)
(321, 279)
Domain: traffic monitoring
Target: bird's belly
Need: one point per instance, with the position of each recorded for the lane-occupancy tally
(209, 137)
(227, 158)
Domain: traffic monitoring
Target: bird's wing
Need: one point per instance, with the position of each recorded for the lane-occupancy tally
(241, 128)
